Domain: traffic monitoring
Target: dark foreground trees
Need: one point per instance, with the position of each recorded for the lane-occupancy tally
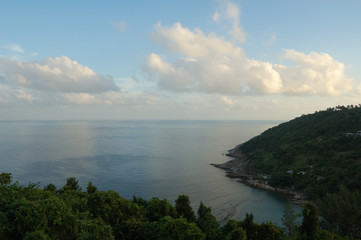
(28, 212)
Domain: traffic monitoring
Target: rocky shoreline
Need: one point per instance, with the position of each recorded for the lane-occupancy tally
(238, 168)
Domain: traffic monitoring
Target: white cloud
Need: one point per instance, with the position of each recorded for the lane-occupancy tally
(230, 12)
(80, 98)
(170, 77)
(213, 65)
(21, 94)
(17, 96)
(196, 44)
(227, 101)
(315, 73)
(216, 17)
(60, 74)
(13, 47)
(57, 82)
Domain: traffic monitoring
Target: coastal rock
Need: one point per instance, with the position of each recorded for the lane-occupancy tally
(238, 167)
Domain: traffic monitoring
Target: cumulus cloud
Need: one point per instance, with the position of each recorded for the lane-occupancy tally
(60, 74)
(230, 12)
(314, 73)
(196, 44)
(211, 64)
(63, 82)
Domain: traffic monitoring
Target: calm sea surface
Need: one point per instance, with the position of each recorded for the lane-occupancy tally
(143, 158)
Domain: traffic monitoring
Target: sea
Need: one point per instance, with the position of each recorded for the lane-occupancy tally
(146, 159)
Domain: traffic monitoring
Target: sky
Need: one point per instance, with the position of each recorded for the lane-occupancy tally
(177, 60)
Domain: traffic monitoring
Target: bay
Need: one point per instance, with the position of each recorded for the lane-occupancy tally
(144, 158)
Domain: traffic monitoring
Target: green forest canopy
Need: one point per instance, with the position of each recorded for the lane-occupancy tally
(317, 154)
(28, 212)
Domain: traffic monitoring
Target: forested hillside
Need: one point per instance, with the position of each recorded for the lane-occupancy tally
(318, 154)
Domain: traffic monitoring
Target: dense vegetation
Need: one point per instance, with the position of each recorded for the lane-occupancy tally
(320, 155)
(28, 212)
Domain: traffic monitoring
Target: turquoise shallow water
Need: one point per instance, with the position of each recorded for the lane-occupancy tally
(143, 158)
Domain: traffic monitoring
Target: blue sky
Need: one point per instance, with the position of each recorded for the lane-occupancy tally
(177, 60)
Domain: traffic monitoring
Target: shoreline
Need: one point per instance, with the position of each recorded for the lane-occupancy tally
(238, 168)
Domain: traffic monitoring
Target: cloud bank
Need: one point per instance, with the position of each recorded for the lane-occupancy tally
(61, 81)
(60, 74)
(211, 64)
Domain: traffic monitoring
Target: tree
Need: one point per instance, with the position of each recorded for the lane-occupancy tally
(342, 212)
(249, 226)
(237, 234)
(183, 208)
(133, 229)
(93, 229)
(91, 188)
(268, 231)
(50, 187)
(107, 206)
(71, 184)
(36, 235)
(179, 229)
(157, 209)
(208, 223)
(289, 221)
(5, 178)
(310, 224)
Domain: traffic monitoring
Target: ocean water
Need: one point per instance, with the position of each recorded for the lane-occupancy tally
(144, 158)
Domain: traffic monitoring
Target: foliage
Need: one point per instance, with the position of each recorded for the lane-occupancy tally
(315, 153)
(310, 224)
(265, 231)
(179, 228)
(69, 213)
(5, 178)
(71, 184)
(289, 221)
(208, 223)
(91, 188)
(342, 211)
(157, 209)
(182, 205)
(318, 155)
